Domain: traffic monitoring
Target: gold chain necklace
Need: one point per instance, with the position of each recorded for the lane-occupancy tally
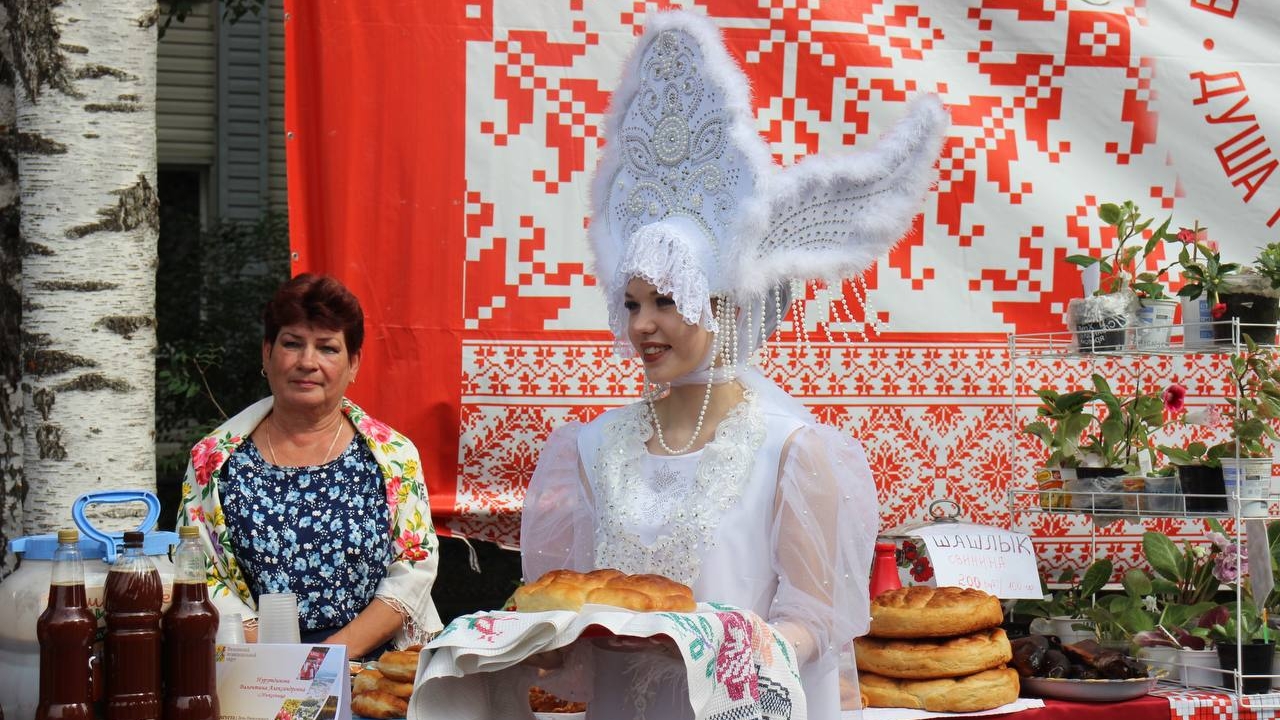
(275, 459)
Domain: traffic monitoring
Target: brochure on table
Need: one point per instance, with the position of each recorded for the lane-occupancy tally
(283, 682)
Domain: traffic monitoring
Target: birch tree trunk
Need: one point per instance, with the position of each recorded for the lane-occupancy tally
(12, 487)
(89, 222)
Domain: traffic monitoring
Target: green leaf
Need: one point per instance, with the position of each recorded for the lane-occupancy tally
(1083, 261)
(1095, 577)
(1109, 213)
(1162, 555)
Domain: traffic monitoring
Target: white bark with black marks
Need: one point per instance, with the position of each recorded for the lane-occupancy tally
(12, 485)
(87, 166)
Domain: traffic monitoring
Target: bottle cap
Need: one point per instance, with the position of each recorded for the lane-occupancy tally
(188, 531)
(134, 538)
(66, 537)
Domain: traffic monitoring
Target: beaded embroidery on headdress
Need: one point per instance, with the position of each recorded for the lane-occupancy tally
(687, 196)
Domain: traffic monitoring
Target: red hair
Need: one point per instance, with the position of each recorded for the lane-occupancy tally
(317, 300)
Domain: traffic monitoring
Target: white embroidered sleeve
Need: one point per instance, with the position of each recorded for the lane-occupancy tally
(824, 529)
(558, 519)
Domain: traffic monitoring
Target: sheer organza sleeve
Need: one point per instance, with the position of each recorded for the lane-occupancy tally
(824, 529)
(557, 523)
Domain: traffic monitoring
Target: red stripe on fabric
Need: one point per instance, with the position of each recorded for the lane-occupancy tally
(376, 183)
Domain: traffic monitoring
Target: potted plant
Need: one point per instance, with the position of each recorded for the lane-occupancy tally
(1203, 274)
(1246, 457)
(1119, 442)
(1199, 476)
(1182, 589)
(1118, 617)
(1259, 308)
(1060, 420)
(1065, 608)
(1125, 291)
(1243, 641)
(1199, 473)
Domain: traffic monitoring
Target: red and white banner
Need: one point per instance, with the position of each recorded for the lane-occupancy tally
(440, 153)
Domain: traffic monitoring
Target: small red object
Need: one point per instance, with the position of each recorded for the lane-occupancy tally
(884, 570)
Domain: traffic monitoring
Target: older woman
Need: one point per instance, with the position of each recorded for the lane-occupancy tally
(304, 492)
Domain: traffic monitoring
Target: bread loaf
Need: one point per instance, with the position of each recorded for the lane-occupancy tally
(971, 693)
(561, 590)
(399, 665)
(933, 658)
(922, 612)
(378, 704)
(568, 590)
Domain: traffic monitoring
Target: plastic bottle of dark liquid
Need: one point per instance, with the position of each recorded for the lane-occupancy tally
(189, 627)
(133, 596)
(66, 631)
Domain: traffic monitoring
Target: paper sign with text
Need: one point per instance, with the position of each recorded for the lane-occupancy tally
(997, 561)
(283, 682)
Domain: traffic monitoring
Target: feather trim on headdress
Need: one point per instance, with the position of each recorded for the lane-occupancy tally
(687, 196)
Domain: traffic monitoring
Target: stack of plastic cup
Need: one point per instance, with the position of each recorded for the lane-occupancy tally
(230, 629)
(278, 618)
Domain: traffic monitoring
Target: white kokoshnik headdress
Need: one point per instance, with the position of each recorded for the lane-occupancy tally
(687, 196)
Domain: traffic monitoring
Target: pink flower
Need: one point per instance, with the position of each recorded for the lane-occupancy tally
(412, 545)
(1219, 310)
(1173, 397)
(1186, 235)
(393, 491)
(380, 432)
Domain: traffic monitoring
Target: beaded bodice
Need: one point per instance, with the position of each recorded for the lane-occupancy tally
(691, 520)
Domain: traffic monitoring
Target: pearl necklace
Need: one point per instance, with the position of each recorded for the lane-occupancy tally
(275, 459)
(697, 429)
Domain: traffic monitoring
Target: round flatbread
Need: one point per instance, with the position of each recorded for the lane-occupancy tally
(920, 612)
(931, 658)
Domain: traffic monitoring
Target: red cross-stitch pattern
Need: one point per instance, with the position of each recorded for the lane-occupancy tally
(935, 420)
(1057, 107)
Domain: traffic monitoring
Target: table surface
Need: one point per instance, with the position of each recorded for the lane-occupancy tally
(1168, 702)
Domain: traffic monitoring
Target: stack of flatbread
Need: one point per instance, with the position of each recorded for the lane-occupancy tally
(936, 649)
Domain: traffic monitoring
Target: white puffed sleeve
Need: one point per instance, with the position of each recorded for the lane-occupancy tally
(824, 529)
(557, 524)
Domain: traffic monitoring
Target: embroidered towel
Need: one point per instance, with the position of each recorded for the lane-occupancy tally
(735, 664)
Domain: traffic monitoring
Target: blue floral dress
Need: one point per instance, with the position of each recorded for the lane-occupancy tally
(320, 532)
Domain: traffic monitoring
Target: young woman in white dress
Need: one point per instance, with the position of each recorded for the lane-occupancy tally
(717, 478)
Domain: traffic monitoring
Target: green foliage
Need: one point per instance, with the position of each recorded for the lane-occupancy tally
(1255, 374)
(1268, 263)
(1118, 616)
(1202, 276)
(1243, 624)
(232, 10)
(1062, 421)
(209, 326)
(1182, 577)
(1120, 269)
(1116, 437)
(1126, 428)
(1195, 453)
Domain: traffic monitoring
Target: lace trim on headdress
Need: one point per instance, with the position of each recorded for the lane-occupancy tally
(723, 471)
(659, 254)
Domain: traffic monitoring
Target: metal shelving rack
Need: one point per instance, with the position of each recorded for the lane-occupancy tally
(1065, 346)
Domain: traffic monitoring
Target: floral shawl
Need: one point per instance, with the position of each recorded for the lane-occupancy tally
(407, 586)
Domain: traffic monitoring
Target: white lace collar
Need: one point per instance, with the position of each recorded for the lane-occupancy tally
(723, 472)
